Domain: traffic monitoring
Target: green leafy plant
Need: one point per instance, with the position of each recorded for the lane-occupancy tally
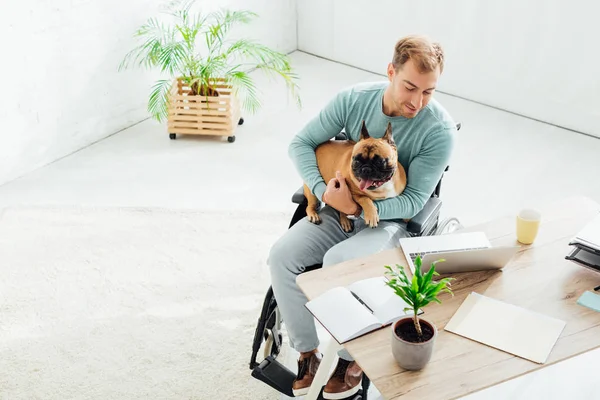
(418, 292)
(195, 48)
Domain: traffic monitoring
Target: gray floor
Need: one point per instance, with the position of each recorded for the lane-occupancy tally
(502, 163)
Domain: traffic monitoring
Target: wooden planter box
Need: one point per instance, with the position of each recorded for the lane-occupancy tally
(203, 115)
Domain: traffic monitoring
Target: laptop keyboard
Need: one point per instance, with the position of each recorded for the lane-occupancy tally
(413, 256)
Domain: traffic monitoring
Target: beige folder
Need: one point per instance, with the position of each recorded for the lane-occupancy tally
(506, 327)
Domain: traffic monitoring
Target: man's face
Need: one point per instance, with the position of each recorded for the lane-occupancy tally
(411, 90)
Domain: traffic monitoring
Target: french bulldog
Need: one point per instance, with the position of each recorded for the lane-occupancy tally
(370, 168)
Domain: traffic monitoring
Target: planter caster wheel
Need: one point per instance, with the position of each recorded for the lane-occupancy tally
(231, 139)
(241, 121)
(172, 136)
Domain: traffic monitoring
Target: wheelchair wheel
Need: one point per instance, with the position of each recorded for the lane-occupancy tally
(272, 334)
(272, 346)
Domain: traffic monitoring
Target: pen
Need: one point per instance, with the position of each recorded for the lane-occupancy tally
(362, 302)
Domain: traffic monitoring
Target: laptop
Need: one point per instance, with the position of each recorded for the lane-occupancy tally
(462, 252)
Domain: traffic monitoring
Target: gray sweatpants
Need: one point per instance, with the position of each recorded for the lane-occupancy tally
(306, 244)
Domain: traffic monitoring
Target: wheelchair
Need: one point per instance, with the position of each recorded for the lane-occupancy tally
(268, 329)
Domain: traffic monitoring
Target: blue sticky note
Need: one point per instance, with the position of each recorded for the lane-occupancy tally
(590, 300)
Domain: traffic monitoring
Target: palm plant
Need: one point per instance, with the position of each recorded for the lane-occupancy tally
(418, 292)
(175, 48)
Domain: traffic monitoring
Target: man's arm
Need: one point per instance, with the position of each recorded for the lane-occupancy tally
(328, 123)
(424, 173)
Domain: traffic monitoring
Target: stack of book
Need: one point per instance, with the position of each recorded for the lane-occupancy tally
(586, 246)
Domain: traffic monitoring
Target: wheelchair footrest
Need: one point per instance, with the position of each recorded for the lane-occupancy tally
(280, 378)
(276, 375)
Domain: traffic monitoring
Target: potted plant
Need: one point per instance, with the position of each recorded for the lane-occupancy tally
(207, 81)
(413, 337)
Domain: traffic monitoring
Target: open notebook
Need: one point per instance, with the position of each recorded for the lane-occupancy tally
(364, 306)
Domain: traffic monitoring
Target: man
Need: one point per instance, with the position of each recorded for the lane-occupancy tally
(423, 132)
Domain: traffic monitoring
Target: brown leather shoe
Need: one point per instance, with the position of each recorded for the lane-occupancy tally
(344, 382)
(307, 369)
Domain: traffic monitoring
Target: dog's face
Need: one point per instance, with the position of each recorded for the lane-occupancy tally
(374, 161)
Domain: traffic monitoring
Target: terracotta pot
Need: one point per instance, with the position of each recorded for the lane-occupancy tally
(412, 355)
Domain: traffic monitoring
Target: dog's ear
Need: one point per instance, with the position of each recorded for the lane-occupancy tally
(364, 133)
(388, 135)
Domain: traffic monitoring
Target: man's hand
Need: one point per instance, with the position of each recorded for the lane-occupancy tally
(338, 196)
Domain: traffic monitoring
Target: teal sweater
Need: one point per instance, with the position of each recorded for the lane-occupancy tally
(424, 143)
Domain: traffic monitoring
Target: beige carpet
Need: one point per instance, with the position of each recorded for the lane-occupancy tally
(131, 303)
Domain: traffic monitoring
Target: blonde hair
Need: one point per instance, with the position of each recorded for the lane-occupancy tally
(427, 55)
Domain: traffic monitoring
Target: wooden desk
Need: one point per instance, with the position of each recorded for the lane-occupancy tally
(538, 278)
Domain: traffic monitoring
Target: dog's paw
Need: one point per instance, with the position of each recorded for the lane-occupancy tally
(314, 218)
(371, 219)
(346, 224)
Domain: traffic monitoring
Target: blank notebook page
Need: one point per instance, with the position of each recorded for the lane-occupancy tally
(506, 327)
(341, 314)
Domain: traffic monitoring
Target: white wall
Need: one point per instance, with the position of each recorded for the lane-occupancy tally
(537, 58)
(60, 86)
